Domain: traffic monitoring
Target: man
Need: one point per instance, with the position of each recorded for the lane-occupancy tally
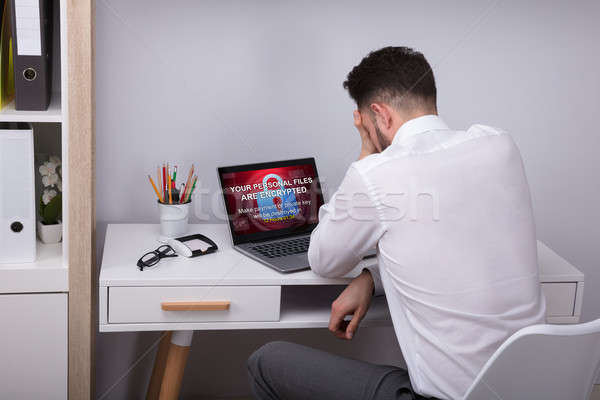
(450, 214)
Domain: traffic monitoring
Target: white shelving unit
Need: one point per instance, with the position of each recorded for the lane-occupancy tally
(34, 297)
(47, 274)
(50, 271)
(52, 114)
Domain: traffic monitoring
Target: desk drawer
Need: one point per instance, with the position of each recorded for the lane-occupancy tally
(193, 304)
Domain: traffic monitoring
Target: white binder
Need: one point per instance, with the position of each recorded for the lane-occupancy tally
(17, 193)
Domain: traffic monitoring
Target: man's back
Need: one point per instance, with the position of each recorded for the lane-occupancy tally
(451, 215)
(458, 257)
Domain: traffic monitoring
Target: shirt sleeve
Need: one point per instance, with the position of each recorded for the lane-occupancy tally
(349, 226)
(377, 285)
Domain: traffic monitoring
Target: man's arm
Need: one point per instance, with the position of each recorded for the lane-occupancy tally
(349, 223)
(348, 228)
(368, 148)
(354, 300)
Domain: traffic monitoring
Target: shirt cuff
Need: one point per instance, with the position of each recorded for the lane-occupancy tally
(377, 285)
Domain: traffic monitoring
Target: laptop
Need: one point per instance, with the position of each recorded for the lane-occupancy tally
(272, 208)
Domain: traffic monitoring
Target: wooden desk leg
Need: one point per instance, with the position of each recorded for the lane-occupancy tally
(179, 348)
(159, 367)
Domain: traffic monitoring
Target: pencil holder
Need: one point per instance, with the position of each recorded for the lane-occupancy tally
(173, 219)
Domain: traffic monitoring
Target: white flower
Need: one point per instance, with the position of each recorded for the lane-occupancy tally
(50, 179)
(48, 168)
(51, 167)
(55, 160)
(44, 170)
(47, 195)
(53, 179)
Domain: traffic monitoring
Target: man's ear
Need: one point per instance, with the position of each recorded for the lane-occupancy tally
(383, 116)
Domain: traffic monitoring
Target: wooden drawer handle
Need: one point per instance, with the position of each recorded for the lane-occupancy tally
(195, 305)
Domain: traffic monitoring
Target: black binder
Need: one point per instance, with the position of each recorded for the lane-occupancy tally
(32, 53)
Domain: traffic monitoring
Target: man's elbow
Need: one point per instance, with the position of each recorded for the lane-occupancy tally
(322, 266)
(324, 272)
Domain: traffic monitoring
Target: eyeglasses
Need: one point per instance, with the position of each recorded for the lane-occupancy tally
(152, 258)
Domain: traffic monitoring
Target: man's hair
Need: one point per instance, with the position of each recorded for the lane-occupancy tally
(398, 76)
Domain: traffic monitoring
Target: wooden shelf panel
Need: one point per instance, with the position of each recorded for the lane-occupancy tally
(47, 274)
(52, 114)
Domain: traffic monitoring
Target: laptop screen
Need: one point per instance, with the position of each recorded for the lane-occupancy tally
(271, 200)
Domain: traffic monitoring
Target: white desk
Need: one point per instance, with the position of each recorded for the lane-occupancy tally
(260, 298)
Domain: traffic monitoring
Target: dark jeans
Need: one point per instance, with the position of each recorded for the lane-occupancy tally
(288, 371)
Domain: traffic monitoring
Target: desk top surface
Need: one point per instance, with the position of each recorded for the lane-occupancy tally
(125, 243)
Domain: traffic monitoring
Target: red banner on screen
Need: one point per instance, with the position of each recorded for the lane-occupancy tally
(271, 199)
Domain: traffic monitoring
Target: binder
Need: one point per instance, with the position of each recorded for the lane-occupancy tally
(17, 194)
(7, 83)
(32, 53)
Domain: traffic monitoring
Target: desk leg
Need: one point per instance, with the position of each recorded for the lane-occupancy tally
(177, 354)
(159, 367)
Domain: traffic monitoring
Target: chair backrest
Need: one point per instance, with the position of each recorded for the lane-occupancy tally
(542, 362)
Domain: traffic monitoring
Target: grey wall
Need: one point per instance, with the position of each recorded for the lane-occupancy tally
(222, 82)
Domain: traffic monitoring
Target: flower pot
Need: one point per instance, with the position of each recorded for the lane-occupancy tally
(49, 233)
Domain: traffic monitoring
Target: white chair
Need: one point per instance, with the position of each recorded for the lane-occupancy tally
(544, 362)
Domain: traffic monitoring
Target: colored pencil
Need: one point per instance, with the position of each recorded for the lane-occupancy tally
(175, 176)
(164, 175)
(155, 188)
(181, 193)
(170, 198)
(167, 183)
(187, 191)
(193, 187)
(159, 178)
(188, 183)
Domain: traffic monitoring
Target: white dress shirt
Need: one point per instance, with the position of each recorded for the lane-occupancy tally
(450, 214)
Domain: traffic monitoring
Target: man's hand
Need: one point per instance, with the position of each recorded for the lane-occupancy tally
(367, 146)
(355, 301)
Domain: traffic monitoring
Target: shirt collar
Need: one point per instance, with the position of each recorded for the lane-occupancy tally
(419, 125)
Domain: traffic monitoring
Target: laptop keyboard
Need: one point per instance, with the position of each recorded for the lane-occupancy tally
(283, 248)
